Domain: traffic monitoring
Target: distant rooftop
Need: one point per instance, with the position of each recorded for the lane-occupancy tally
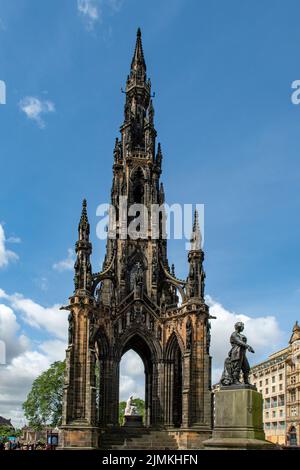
(5, 422)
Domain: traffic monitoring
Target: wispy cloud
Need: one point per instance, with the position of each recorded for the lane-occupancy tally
(14, 240)
(66, 264)
(5, 255)
(91, 12)
(34, 108)
(42, 283)
(115, 5)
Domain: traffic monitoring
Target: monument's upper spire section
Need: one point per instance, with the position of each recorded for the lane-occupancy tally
(138, 64)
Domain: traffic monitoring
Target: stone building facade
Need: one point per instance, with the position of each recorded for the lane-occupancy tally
(133, 303)
(278, 379)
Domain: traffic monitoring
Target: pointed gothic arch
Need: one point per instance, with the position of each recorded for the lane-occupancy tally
(137, 187)
(174, 377)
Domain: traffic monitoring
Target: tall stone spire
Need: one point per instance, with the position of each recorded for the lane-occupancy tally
(196, 239)
(83, 249)
(138, 64)
(196, 277)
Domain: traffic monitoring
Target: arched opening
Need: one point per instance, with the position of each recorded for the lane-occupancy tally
(132, 383)
(138, 345)
(292, 436)
(174, 377)
(138, 186)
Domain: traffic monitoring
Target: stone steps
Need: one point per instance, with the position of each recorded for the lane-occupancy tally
(138, 439)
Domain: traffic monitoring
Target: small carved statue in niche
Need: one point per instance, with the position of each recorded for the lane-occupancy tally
(71, 328)
(124, 322)
(189, 334)
(139, 281)
(208, 336)
(159, 333)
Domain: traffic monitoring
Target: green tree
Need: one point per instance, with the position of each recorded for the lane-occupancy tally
(7, 431)
(43, 405)
(138, 402)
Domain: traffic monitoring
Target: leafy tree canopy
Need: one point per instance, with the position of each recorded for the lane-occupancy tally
(43, 405)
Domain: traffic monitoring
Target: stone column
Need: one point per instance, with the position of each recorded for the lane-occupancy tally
(78, 428)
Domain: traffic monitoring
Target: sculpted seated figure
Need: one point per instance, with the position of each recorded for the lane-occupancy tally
(131, 409)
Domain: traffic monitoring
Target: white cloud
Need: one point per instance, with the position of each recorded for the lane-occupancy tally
(263, 334)
(14, 240)
(16, 380)
(66, 264)
(115, 5)
(54, 349)
(5, 255)
(132, 377)
(34, 108)
(51, 319)
(90, 11)
(26, 360)
(15, 343)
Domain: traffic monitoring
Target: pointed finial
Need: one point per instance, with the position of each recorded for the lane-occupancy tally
(84, 217)
(173, 270)
(138, 62)
(159, 155)
(196, 239)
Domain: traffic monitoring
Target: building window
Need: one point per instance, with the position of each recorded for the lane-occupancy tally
(267, 425)
(273, 379)
(267, 403)
(293, 379)
(293, 395)
(281, 400)
(260, 383)
(281, 414)
(281, 425)
(273, 389)
(280, 376)
(267, 391)
(267, 414)
(267, 381)
(294, 411)
(280, 387)
(274, 414)
(274, 402)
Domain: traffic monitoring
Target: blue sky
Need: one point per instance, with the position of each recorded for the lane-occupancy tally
(222, 73)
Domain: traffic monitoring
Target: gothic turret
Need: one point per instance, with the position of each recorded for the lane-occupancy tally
(83, 248)
(196, 277)
(138, 128)
(138, 64)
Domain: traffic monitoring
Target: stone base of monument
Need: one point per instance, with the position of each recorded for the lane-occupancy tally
(238, 422)
(133, 421)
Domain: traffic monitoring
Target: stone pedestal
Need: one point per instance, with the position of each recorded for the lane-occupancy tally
(238, 422)
(133, 420)
(78, 437)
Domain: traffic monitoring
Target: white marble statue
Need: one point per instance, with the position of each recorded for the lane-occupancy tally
(130, 409)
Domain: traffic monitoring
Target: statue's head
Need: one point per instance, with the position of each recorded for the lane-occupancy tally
(239, 326)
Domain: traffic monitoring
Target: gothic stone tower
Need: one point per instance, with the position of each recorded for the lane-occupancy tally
(133, 303)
